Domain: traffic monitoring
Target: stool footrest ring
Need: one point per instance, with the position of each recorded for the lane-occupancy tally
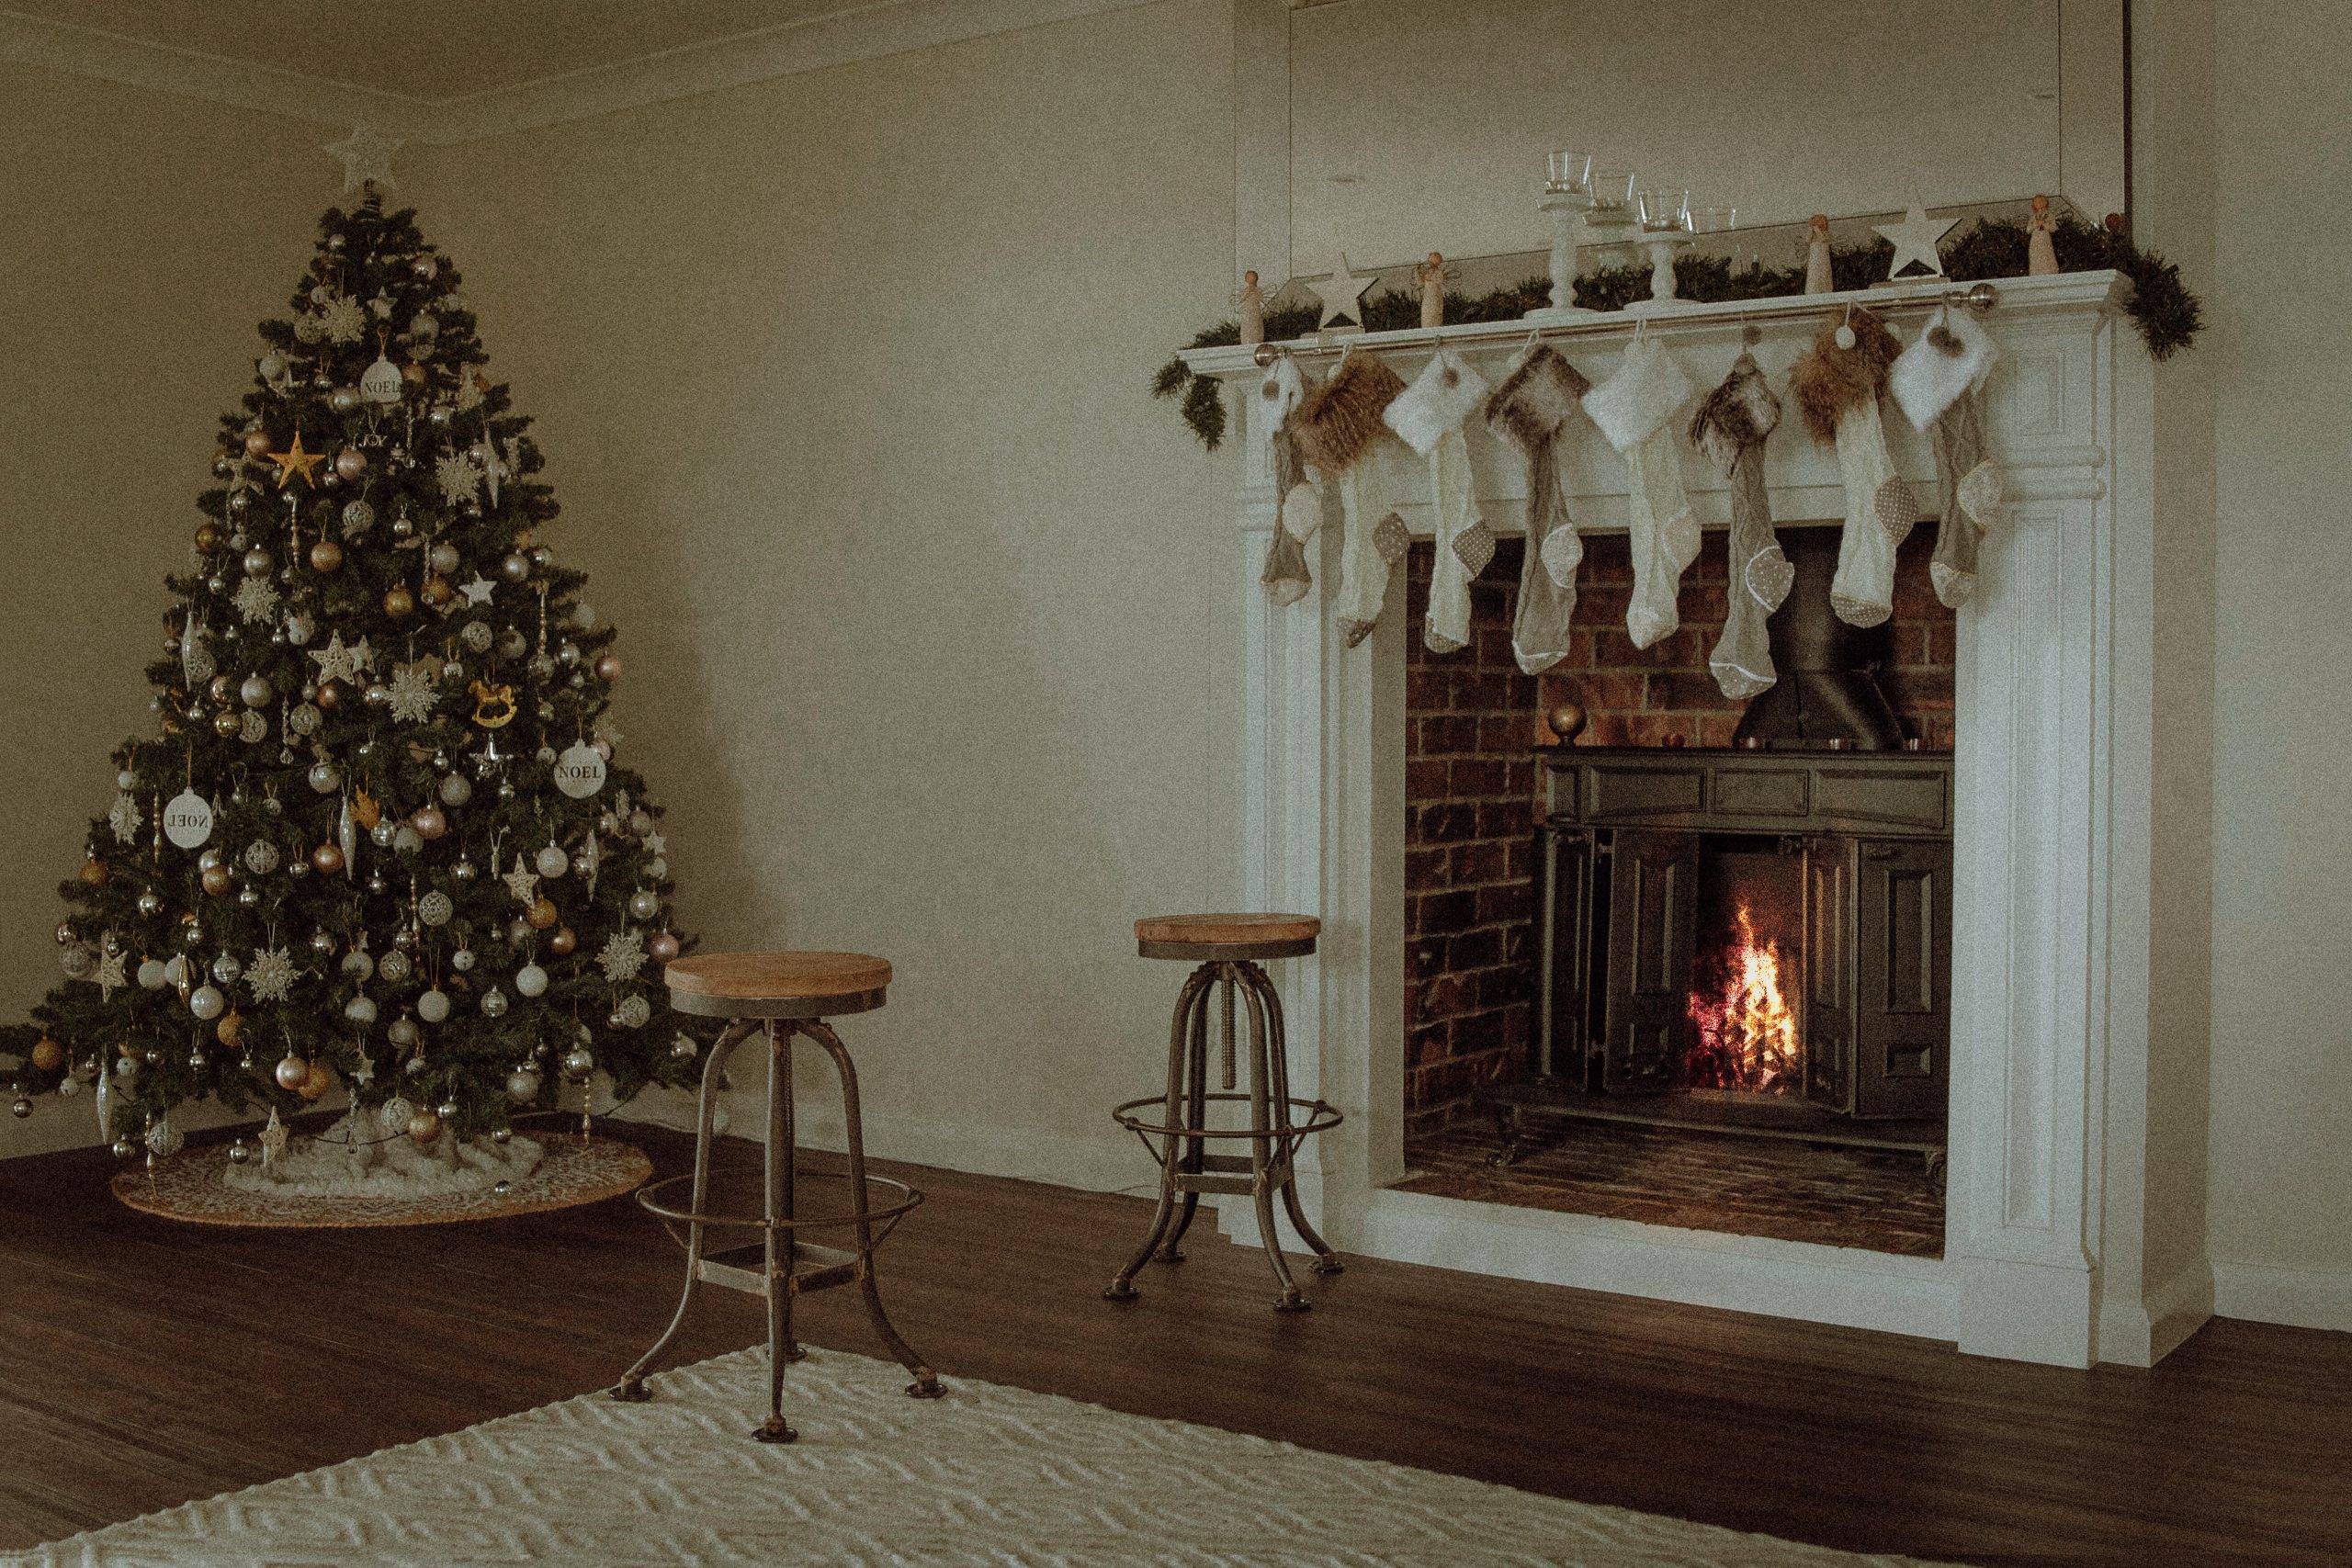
(1321, 1117)
(907, 1200)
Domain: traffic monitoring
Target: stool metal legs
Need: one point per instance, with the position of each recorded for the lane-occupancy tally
(1187, 1167)
(783, 1276)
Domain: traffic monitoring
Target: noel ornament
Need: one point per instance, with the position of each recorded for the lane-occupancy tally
(579, 773)
(380, 383)
(187, 819)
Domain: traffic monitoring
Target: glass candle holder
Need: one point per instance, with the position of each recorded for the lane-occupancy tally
(1662, 210)
(1569, 174)
(1714, 219)
(1612, 192)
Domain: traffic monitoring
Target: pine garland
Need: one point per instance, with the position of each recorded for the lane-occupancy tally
(2167, 313)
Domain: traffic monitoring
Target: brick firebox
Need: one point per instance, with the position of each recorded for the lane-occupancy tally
(1471, 792)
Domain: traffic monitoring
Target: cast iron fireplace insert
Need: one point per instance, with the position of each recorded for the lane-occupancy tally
(1745, 941)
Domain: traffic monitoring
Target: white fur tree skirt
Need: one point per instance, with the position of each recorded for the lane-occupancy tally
(987, 1476)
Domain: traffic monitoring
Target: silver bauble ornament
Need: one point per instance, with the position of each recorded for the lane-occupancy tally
(150, 904)
(256, 691)
(522, 1087)
(502, 1135)
(165, 1139)
(644, 903)
(226, 968)
(402, 1031)
(259, 562)
(239, 1153)
(21, 1109)
(380, 835)
(124, 1148)
(394, 1113)
(320, 941)
(447, 1110)
(455, 790)
(578, 1064)
(515, 568)
(494, 1003)
(683, 1048)
(394, 969)
(324, 778)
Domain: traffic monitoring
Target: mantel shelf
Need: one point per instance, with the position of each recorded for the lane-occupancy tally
(2102, 292)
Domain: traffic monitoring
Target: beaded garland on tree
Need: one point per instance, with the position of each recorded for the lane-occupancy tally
(379, 692)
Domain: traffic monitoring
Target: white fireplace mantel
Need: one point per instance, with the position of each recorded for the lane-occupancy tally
(2063, 1245)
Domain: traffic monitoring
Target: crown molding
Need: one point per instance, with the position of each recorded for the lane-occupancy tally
(870, 32)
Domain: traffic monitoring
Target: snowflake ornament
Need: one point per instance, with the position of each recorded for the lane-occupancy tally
(455, 475)
(271, 973)
(256, 600)
(605, 731)
(124, 817)
(622, 957)
(341, 319)
(413, 696)
(470, 392)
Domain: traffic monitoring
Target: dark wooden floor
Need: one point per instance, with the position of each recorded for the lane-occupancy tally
(146, 1364)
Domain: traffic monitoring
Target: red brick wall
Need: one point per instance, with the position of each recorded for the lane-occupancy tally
(1472, 789)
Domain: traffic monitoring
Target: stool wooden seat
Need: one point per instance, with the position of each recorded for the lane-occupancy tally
(781, 995)
(1230, 936)
(1227, 949)
(777, 985)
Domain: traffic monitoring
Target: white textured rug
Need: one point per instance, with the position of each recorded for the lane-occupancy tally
(989, 1475)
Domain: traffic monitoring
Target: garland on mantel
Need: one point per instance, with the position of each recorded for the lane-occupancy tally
(2167, 313)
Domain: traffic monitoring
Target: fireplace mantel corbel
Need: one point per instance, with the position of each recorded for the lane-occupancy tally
(2065, 1244)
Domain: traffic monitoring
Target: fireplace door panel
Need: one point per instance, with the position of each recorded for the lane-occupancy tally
(1903, 1011)
(1653, 932)
(1829, 867)
(1564, 864)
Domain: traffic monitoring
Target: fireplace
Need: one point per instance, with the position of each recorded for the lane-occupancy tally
(1742, 940)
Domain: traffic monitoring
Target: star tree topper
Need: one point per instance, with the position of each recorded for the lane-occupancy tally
(1915, 240)
(1342, 295)
(367, 158)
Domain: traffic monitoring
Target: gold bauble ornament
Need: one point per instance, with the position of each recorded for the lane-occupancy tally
(47, 1054)
(326, 860)
(413, 373)
(207, 536)
(398, 602)
(436, 590)
(93, 872)
(542, 913)
(256, 443)
(1566, 721)
(563, 942)
(424, 1127)
(316, 1082)
(231, 1029)
(217, 880)
(330, 693)
(325, 555)
(225, 724)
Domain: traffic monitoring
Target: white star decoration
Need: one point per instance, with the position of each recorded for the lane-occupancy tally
(1914, 240)
(656, 844)
(478, 591)
(110, 977)
(522, 882)
(1342, 295)
(338, 662)
(367, 158)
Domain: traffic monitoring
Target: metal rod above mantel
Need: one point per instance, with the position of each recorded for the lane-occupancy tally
(2104, 290)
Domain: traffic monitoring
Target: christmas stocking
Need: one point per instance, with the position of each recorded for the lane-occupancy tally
(1529, 411)
(1338, 431)
(1286, 576)
(1838, 389)
(1427, 417)
(1730, 427)
(1939, 384)
(1633, 407)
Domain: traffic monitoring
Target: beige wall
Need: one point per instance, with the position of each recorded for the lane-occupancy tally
(141, 238)
(2282, 987)
(841, 378)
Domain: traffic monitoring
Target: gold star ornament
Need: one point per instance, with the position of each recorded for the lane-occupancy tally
(294, 460)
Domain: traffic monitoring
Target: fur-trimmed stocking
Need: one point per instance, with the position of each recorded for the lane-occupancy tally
(1729, 426)
(1427, 417)
(1299, 504)
(1635, 409)
(1838, 389)
(1340, 430)
(1939, 384)
(1530, 409)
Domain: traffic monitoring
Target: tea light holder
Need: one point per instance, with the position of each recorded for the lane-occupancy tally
(1568, 198)
(1664, 219)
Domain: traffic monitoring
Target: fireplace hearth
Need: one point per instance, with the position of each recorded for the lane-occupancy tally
(1742, 941)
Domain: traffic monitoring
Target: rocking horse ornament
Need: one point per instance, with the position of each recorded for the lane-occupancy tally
(494, 706)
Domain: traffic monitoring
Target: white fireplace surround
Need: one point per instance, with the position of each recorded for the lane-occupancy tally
(2064, 1243)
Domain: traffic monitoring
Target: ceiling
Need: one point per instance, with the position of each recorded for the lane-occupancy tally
(431, 51)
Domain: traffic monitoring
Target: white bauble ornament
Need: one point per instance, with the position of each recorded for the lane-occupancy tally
(553, 862)
(380, 382)
(206, 1003)
(359, 964)
(580, 773)
(359, 1009)
(394, 1113)
(462, 960)
(164, 1140)
(531, 980)
(394, 969)
(175, 970)
(150, 975)
(187, 819)
(433, 1007)
(402, 1032)
(522, 1087)
(455, 790)
(633, 1012)
(435, 909)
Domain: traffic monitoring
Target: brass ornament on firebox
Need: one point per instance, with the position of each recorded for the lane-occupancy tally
(1566, 721)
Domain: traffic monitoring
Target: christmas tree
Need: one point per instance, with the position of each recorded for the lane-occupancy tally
(376, 840)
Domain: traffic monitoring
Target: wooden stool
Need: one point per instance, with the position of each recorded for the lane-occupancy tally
(1227, 948)
(781, 993)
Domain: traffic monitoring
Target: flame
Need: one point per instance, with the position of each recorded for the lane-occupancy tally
(1748, 1034)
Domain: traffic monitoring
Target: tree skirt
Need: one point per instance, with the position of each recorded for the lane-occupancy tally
(987, 1476)
(574, 1171)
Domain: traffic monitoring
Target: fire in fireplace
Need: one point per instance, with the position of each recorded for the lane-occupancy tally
(1747, 1037)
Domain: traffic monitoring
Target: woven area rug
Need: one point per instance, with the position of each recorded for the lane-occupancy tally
(987, 1475)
